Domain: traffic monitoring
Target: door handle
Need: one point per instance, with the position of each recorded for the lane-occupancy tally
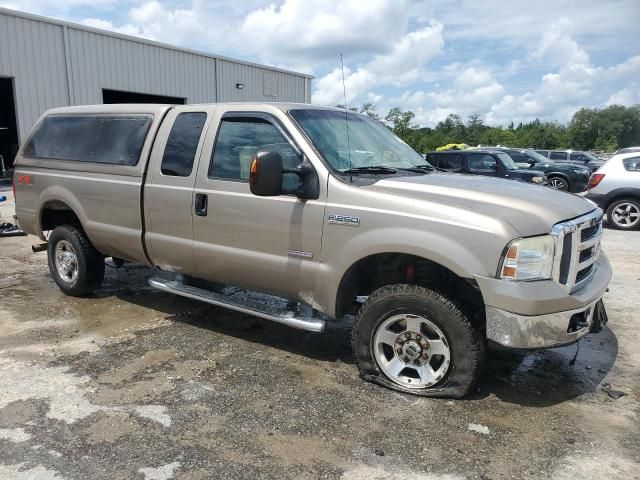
(201, 204)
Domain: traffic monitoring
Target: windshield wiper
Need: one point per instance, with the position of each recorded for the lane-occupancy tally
(427, 167)
(371, 169)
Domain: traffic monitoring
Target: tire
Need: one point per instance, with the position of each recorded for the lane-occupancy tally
(434, 324)
(559, 183)
(624, 214)
(78, 268)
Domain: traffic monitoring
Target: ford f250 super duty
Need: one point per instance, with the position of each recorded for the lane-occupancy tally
(328, 213)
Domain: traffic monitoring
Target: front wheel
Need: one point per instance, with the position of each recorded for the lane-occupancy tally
(624, 214)
(76, 267)
(558, 183)
(414, 340)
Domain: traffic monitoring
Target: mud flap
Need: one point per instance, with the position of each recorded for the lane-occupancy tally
(600, 317)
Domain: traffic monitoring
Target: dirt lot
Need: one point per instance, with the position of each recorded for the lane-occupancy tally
(133, 383)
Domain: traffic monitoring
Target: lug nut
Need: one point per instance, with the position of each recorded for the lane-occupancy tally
(407, 336)
(399, 351)
(418, 337)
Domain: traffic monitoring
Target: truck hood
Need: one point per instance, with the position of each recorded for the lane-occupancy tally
(530, 209)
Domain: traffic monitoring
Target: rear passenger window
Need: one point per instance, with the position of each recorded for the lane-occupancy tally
(114, 139)
(239, 139)
(632, 164)
(182, 144)
(558, 155)
(450, 161)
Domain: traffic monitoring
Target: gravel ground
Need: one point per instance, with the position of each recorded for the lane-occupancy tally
(133, 383)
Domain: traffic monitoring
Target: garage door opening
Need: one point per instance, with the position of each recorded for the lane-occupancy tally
(117, 96)
(8, 127)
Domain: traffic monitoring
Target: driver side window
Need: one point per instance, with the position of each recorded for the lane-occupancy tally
(482, 163)
(242, 137)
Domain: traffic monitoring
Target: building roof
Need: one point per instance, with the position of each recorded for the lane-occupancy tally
(131, 38)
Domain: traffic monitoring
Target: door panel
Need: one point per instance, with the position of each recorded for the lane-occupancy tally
(270, 244)
(169, 191)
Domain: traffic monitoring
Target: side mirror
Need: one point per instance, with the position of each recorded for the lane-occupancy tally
(265, 174)
(493, 166)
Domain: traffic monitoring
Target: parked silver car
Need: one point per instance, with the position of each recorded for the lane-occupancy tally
(615, 187)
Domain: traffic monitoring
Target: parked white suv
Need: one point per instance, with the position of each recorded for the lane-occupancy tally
(615, 187)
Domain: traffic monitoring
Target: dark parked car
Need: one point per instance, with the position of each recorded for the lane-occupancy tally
(566, 176)
(484, 162)
(586, 159)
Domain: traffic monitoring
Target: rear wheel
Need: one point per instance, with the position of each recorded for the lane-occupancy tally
(624, 214)
(559, 183)
(415, 340)
(76, 267)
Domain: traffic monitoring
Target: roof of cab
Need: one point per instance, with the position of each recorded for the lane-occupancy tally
(153, 108)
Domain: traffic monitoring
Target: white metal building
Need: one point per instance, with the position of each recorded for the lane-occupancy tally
(47, 63)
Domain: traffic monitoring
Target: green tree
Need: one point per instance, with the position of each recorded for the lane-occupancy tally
(400, 122)
(369, 109)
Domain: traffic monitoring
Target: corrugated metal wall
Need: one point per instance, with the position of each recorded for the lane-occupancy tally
(56, 64)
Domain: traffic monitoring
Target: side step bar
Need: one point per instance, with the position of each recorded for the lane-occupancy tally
(244, 305)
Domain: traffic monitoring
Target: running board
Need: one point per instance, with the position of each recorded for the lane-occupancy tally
(244, 305)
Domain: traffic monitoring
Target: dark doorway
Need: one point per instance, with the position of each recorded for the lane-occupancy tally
(8, 127)
(117, 96)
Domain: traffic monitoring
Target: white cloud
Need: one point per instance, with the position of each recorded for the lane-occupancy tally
(626, 96)
(401, 66)
(558, 48)
(317, 30)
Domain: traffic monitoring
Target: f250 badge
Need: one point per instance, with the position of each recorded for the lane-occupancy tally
(344, 220)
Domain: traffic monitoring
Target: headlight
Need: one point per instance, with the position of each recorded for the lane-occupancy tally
(537, 179)
(529, 259)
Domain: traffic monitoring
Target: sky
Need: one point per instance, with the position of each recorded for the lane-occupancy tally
(507, 61)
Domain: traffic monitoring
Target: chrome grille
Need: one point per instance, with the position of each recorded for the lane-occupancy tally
(577, 249)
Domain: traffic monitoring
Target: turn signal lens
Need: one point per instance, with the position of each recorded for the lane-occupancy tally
(595, 179)
(253, 171)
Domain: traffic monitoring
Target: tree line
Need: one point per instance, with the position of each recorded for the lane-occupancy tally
(604, 129)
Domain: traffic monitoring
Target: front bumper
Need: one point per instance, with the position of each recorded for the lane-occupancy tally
(531, 315)
(510, 330)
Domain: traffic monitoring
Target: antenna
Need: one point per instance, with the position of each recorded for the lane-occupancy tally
(346, 114)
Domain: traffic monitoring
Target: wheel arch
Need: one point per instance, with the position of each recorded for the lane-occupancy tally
(58, 206)
(377, 270)
(561, 175)
(622, 193)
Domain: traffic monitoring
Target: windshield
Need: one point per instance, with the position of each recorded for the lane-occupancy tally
(368, 144)
(537, 157)
(507, 161)
(590, 156)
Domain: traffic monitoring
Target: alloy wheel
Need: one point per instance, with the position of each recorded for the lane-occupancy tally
(411, 351)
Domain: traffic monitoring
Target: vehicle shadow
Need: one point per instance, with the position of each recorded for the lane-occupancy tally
(538, 379)
(129, 284)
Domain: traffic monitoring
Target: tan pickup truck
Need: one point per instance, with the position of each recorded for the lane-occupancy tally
(320, 215)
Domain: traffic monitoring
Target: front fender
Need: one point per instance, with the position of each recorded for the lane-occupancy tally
(432, 245)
